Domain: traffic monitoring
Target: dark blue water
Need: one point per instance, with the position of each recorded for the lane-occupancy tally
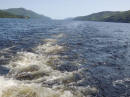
(95, 54)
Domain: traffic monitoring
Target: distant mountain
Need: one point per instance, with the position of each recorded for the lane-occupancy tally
(97, 16)
(107, 16)
(69, 19)
(120, 17)
(25, 12)
(4, 14)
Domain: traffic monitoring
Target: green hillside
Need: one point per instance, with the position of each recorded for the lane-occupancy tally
(4, 14)
(107, 16)
(97, 16)
(120, 17)
(25, 12)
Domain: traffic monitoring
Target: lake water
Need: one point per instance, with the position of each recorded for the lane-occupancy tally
(64, 58)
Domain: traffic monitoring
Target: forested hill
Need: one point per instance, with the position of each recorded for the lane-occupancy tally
(120, 17)
(25, 12)
(4, 14)
(107, 16)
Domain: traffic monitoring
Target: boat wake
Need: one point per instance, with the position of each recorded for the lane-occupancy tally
(46, 71)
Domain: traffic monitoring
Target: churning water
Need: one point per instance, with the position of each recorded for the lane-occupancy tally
(64, 59)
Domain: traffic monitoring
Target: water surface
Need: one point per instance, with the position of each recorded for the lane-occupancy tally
(64, 58)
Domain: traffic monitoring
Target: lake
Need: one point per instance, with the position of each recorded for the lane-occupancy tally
(64, 58)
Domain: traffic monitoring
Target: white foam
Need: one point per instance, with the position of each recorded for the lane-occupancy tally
(122, 81)
(43, 56)
(12, 88)
(5, 83)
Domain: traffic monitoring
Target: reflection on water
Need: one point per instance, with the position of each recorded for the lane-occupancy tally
(63, 59)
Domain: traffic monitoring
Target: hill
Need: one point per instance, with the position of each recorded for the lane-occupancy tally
(25, 12)
(120, 17)
(107, 16)
(4, 14)
(97, 16)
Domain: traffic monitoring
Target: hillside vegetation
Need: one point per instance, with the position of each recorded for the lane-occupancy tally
(4, 14)
(107, 16)
(25, 12)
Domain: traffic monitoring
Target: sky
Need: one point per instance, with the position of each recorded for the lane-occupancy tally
(60, 9)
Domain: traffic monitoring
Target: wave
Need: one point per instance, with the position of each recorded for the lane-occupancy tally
(39, 73)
